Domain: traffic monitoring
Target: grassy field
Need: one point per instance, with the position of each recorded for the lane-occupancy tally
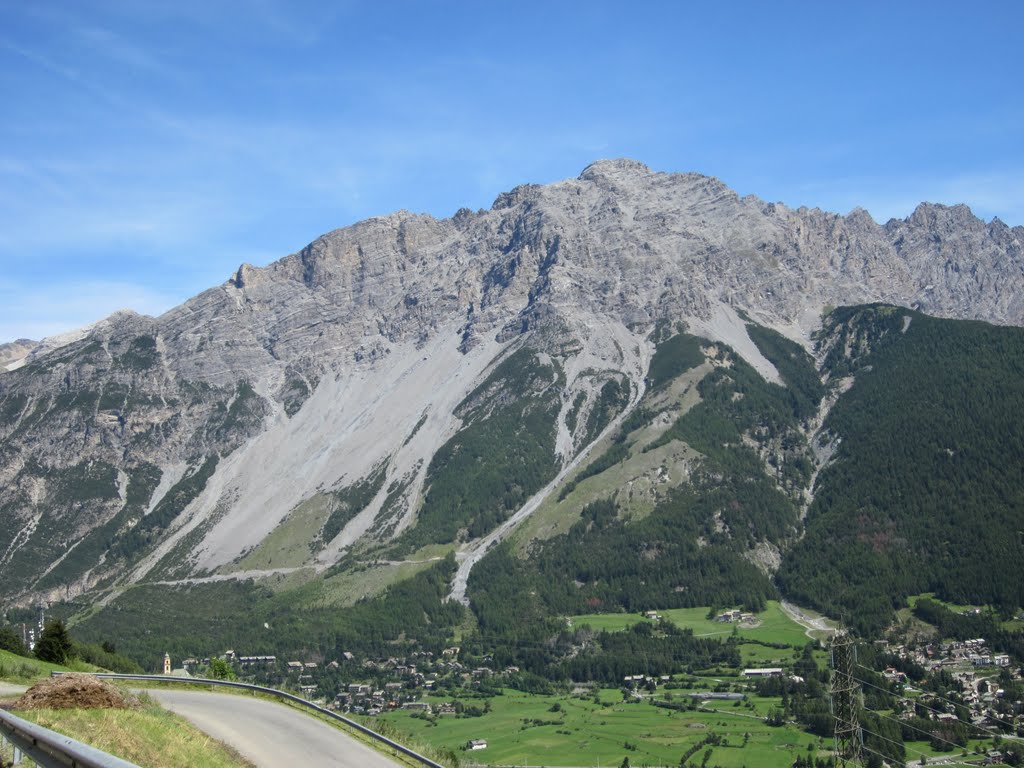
(523, 729)
(367, 580)
(915, 749)
(955, 607)
(775, 627)
(22, 669)
(1012, 625)
(149, 736)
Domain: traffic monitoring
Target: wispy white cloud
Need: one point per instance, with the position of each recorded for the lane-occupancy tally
(108, 44)
(70, 74)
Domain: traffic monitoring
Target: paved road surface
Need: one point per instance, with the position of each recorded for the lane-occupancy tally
(809, 623)
(10, 690)
(268, 733)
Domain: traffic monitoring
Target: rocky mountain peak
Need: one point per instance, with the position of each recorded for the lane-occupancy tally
(290, 380)
(938, 217)
(615, 168)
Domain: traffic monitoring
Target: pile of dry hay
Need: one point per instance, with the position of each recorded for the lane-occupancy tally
(74, 691)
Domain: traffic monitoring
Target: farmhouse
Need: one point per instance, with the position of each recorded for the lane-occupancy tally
(764, 672)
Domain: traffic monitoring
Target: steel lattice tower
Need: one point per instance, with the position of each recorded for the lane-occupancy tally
(843, 700)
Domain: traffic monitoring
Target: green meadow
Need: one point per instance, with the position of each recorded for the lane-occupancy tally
(775, 628)
(525, 729)
(602, 727)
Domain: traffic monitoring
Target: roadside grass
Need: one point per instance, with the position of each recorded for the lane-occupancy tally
(423, 747)
(25, 669)
(523, 729)
(149, 736)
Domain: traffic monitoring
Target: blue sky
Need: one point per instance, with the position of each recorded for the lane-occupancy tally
(148, 147)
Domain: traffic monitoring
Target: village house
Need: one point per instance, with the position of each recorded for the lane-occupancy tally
(252, 661)
(765, 672)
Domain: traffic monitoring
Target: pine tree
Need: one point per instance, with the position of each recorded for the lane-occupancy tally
(54, 643)
(9, 641)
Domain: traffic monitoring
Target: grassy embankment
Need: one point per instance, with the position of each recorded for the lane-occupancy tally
(149, 736)
(25, 670)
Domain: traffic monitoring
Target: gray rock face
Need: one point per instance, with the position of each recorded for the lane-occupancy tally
(338, 351)
(14, 352)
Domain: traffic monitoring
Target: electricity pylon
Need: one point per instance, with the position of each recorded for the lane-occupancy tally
(843, 701)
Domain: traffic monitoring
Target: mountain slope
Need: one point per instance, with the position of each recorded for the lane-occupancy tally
(925, 491)
(316, 400)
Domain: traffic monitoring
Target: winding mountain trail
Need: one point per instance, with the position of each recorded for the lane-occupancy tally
(809, 623)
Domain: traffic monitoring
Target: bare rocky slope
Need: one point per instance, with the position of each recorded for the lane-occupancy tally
(296, 412)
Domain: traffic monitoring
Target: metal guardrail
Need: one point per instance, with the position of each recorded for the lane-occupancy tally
(281, 695)
(53, 750)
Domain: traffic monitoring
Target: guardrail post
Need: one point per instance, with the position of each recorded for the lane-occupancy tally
(15, 752)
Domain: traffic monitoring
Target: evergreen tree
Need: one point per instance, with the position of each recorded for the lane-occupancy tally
(54, 643)
(9, 641)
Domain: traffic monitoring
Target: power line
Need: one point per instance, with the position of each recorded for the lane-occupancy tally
(897, 743)
(900, 723)
(843, 700)
(948, 701)
(925, 706)
(889, 758)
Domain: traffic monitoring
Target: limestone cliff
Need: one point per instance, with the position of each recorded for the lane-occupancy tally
(173, 446)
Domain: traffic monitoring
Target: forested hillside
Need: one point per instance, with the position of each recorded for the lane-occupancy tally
(691, 549)
(922, 489)
(926, 489)
(696, 500)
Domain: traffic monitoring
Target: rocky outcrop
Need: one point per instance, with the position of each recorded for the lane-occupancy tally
(339, 351)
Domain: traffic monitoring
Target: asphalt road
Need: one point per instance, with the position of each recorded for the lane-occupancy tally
(270, 734)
